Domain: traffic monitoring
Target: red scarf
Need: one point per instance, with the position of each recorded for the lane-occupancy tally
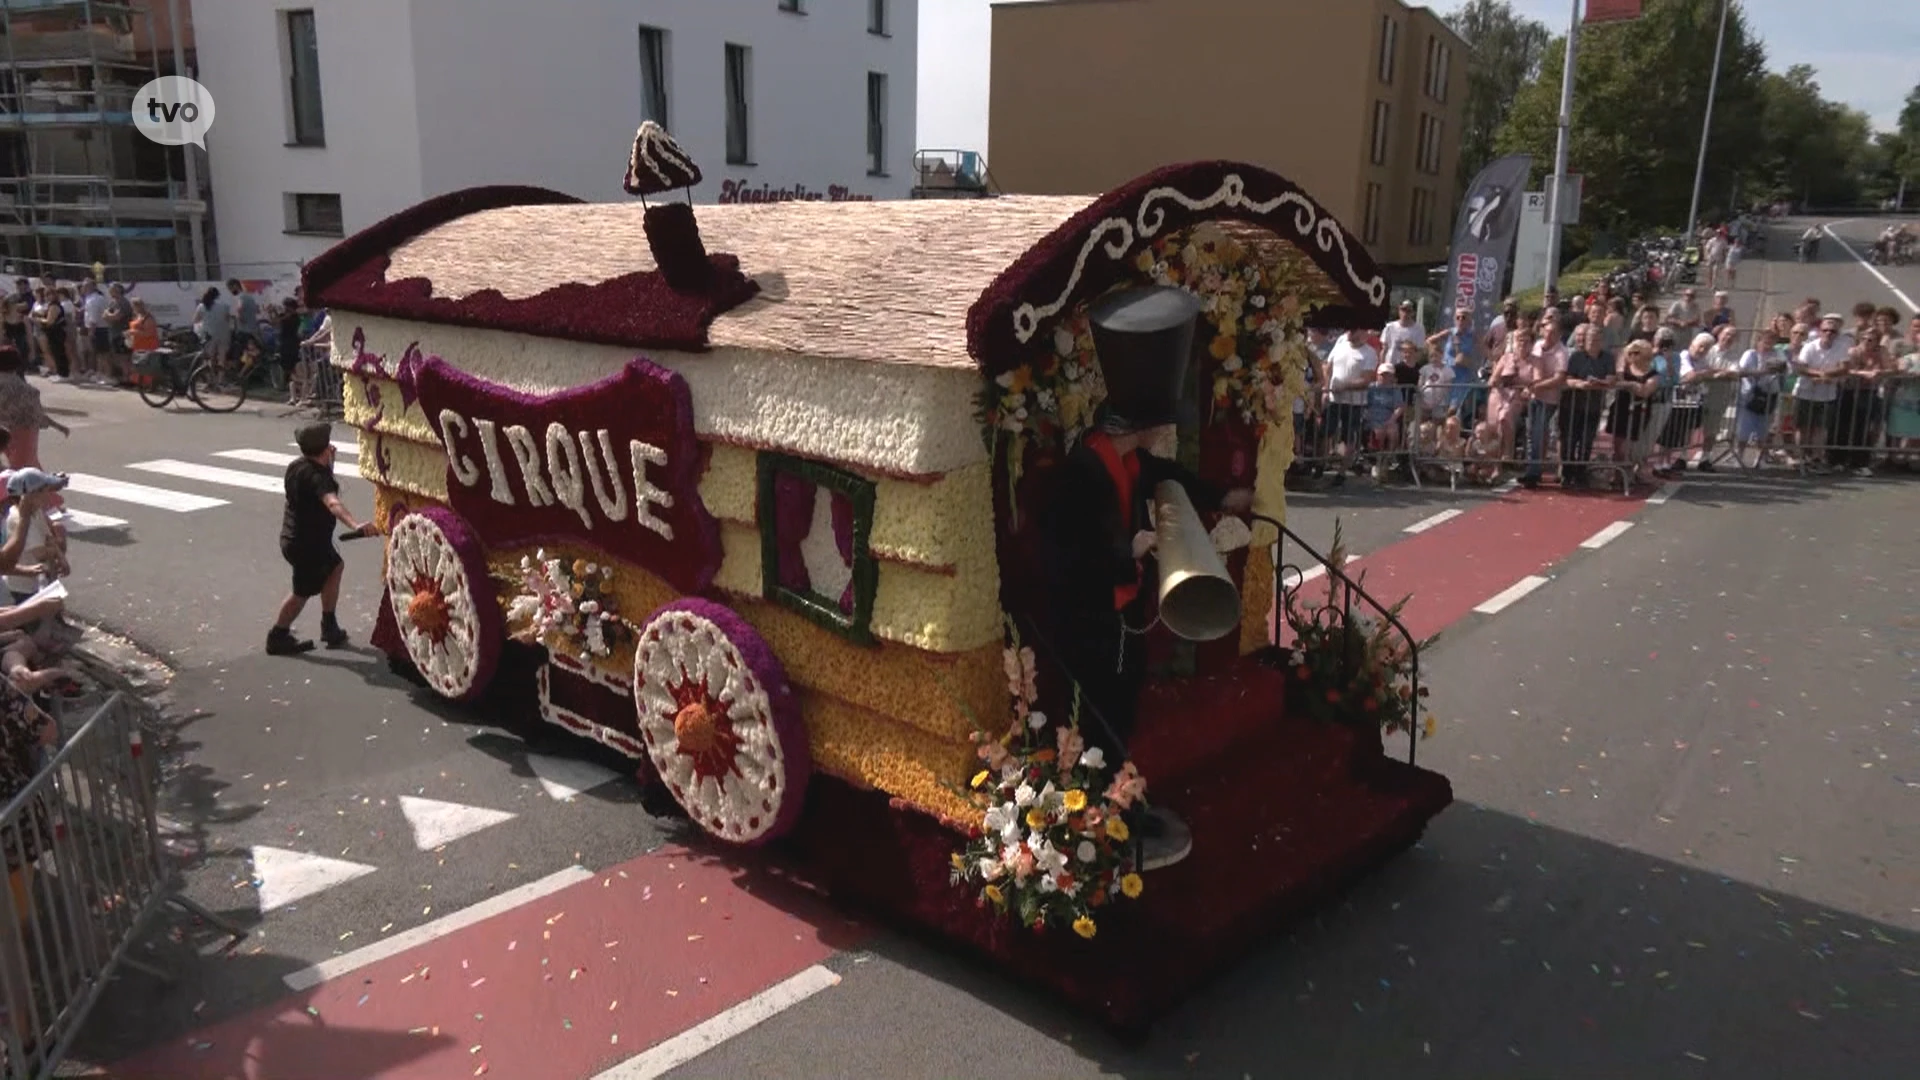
(1124, 472)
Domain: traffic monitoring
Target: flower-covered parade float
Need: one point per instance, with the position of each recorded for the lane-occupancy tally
(767, 498)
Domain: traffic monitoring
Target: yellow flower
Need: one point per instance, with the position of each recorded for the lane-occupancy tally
(1074, 800)
(1084, 927)
(580, 567)
(1431, 726)
(959, 863)
(1117, 829)
(1131, 885)
(1143, 262)
(993, 893)
(1222, 347)
(1036, 818)
(980, 778)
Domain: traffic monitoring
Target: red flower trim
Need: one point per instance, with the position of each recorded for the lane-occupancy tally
(1043, 272)
(640, 309)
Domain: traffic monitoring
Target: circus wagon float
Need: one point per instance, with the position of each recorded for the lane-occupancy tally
(756, 497)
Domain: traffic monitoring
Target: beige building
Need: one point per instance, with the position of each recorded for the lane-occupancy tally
(1357, 101)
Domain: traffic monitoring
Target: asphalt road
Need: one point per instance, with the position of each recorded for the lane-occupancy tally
(1687, 842)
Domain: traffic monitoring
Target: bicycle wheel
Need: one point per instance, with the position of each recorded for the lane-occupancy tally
(158, 389)
(214, 391)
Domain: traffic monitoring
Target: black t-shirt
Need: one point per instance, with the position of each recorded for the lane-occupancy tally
(308, 524)
(289, 331)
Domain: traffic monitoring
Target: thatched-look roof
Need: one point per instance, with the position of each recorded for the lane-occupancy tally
(885, 282)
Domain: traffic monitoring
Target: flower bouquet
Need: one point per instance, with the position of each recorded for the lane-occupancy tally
(1351, 667)
(567, 602)
(1051, 846)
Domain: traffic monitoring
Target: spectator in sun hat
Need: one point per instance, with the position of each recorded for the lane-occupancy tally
(306, 541)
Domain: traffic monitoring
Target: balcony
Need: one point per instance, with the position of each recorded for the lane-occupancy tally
(44, 106)
(951, 174)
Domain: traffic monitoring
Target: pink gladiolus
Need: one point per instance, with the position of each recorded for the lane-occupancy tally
(1070, 745)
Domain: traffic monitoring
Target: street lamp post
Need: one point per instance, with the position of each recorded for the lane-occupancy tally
(1706, 125)
(1560, 154)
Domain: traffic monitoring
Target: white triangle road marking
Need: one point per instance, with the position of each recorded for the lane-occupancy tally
(210, 474)
(345, 447)
(280, 458)
(139, 494)
(287, 876)
(79, 521)
(566, 777)
(435, 822)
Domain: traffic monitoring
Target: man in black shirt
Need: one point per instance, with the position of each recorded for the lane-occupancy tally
(306, 541)
(1590, 380)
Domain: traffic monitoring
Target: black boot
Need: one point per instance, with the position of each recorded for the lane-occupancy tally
(281, 642)
(330, 631)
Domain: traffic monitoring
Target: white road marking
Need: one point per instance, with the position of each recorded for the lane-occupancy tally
(286, 876)
(159, 498)
(1606, 536)
(1511, 595)
(1319, 570)
(79, 521)
(1440, 518)
(1870, 268)
(1503, 488)
(691, 1043)
(259, 457)
(211, 474)
(347, 447)
(566, 777)
(1667, 491)
(334, 967)
(435, 822)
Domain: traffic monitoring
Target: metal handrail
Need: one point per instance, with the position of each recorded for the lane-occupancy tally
(1349, 588)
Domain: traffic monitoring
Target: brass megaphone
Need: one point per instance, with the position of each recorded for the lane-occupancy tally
(1198, 600)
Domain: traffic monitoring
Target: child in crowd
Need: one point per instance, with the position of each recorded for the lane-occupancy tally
(43, 559)
(1484, 453)
(1386, 411)
(306, 542)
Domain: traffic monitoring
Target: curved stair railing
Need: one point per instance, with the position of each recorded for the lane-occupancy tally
(1343, 591)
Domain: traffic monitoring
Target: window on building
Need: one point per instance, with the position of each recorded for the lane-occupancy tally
(1413, 217)
(1370, 224)
(1445, 73)
(877, 18)
(1382, 131)
(1389, 47)
(739, 105)
(876, 123)
(792, 7)
(815, 524)
(1429, 143)
(653, 75)
(1439, 141)
(307, 124)
(315, 214)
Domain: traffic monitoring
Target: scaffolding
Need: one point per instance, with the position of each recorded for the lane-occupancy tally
(80, 187)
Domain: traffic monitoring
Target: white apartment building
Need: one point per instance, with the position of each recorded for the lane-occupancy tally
(334, 114)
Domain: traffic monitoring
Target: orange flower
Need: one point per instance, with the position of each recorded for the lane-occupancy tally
(1043, 755)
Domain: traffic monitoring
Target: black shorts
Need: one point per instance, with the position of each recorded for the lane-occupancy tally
(1345, 423)
(311, 569)
(102, 339)
(1811, 415)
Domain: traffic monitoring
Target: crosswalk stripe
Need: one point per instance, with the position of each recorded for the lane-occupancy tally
(346, 447)
(259, 457)
(187, 470)
(78, 521)
(179, 502)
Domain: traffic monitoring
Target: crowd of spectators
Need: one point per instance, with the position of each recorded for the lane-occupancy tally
(1574, 388)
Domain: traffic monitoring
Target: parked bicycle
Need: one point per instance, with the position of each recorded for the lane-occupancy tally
(182, 366)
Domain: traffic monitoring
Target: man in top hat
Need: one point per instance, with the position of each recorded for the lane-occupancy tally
(306, 541)
(1098, 533)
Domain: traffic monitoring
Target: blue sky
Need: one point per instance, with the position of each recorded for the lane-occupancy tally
(1867, 53)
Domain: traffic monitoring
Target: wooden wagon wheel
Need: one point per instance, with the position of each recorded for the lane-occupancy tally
(720, 721)
(444, 602)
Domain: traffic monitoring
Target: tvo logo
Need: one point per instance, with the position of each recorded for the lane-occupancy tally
(174, 111)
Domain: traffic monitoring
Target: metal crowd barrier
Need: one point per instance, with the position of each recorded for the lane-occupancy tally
(86, 876)
(1435, 435)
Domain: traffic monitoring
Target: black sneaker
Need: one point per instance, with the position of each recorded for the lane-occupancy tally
(281, 642)
(1164, 839)
(332, 634)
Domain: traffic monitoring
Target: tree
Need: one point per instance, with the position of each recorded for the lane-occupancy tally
(1507, 50)
(1639, 97)
(1817, 153)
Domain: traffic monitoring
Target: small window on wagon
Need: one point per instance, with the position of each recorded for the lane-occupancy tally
(815, 523)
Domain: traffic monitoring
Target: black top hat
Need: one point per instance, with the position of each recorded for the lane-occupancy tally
(1144, 338)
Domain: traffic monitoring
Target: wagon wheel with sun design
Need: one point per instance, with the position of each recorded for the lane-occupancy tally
(444, 602)
(720, 721)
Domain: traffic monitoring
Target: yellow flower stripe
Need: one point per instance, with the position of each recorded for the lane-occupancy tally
(356, 409)
(945, 695)
(1256, 593)
(868, 749)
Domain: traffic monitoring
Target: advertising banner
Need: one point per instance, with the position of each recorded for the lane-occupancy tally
(1483, 240)
(1606, 11)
